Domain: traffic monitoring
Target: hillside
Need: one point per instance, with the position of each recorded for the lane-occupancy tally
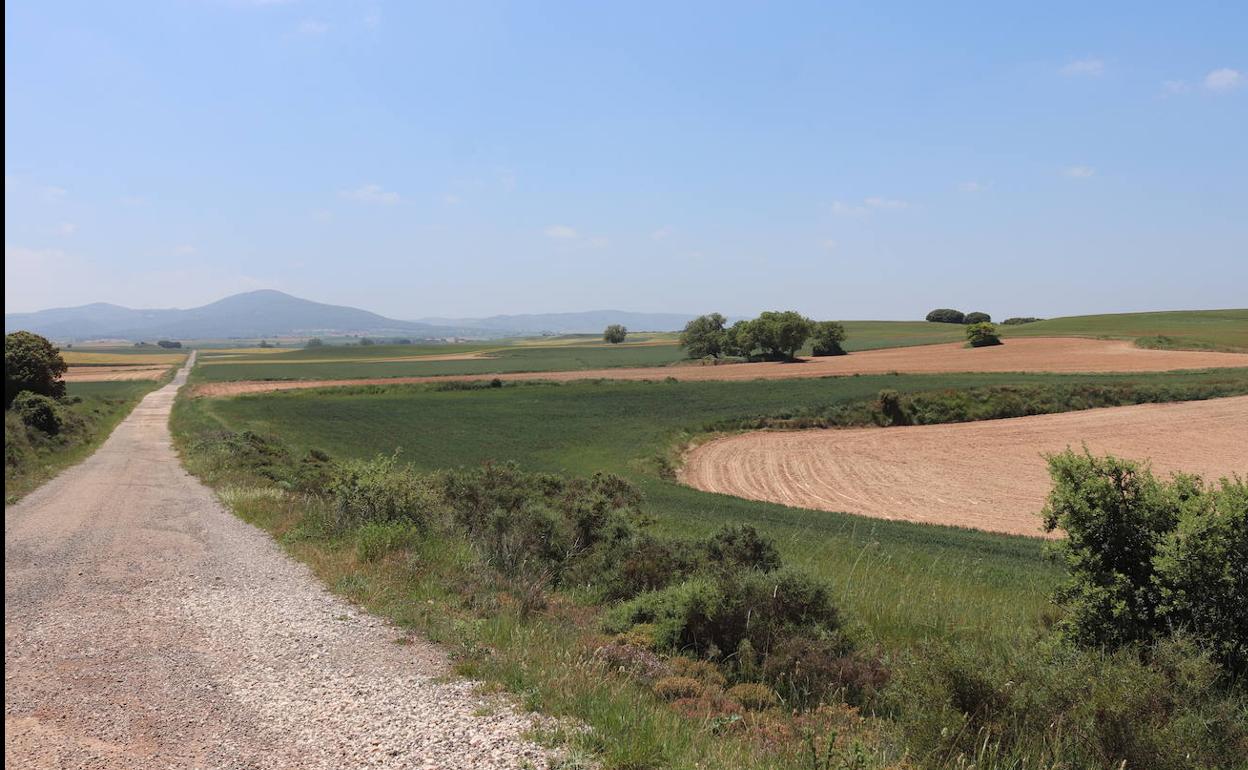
(264, 313)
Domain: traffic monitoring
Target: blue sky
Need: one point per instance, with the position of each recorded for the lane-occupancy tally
(849, 160)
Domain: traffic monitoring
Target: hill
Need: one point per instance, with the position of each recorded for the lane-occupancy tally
(586, 322)
(264, 313)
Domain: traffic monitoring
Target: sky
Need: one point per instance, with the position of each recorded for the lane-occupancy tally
(847, 160)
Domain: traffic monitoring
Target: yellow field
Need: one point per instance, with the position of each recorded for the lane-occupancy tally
(82, 358)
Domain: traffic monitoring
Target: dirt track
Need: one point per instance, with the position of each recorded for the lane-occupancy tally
(147, 627)
(1039, 354)
(988, 475)
(114, 373)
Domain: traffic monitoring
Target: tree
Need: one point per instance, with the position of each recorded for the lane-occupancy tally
(828, 336)
(315, 342)
(739, 340)
(367, 341)
(615, 334)
(982, 335)
(977, 318)
(1023, 320)
(780, 333)
(945, 315)
(169, 344)
(265, 344)
(704, 336)
(32, 363)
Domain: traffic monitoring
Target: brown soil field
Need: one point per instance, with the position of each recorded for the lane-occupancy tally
(114, 373)
(988, 475)
(1038, 354)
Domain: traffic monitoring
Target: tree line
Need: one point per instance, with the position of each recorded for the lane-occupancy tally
(775, 335)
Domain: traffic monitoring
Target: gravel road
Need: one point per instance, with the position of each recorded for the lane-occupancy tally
(147, 627)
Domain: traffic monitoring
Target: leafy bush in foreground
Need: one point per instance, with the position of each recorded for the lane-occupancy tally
(378, 491)
(1148, 557)
(32, 363)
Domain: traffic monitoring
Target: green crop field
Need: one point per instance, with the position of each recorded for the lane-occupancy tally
(905, 581)
(1198, 329)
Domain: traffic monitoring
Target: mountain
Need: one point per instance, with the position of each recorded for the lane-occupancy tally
(588, 322)
(253, 314)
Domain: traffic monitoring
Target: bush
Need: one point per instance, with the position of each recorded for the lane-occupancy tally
(1146, 557)
(1019, 321)
(677, 687)
(754, 696)
(780, 334)
(977, 318)
(946, 315)
(982, 335)
(713, 615)
(742, 547)
(32, 363)
(615, 334)
(315, 342)
(169, 344)
(828, 336)
(703, 337)
(379, 490)
(807, 670)
(38, 412)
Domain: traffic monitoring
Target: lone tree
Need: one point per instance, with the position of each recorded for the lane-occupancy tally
(615, 334)
(704, 336)
(982, 335)
(977, 318)
(780, 333)
(315, 342)
(945, 315)
(828, 337)
(169, 344)
(32, 363)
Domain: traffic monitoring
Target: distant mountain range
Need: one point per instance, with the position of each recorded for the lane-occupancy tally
(268, 313)
(588, 322)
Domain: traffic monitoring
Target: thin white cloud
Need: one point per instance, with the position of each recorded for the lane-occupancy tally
(52, 193)
(185, 250)
(843, 209)
(972, 186)
(662, 234)
(1175, 87)
(371, 193)
(312, 28)
(829, 245)
(1089, 67)
(560, 232)
(1225, 79)
(877, 202)
(451, 199)
(372, 19)
(67, 228)
(1079, 172)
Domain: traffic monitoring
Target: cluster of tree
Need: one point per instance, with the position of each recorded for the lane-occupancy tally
(774, 335)
(946, 315)
(169, 344)
(315, 342)
(615, 334)
(1023, 320)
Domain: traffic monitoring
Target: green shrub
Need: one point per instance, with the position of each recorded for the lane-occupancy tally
(1019, 321)
(713, 615)
(982, 335)
(977, 318)
(1147, 557)
(946, 315)
(806, 670)
(615, 334)
(742, 547)
(888, 403)
(379, 490)
(38, 412)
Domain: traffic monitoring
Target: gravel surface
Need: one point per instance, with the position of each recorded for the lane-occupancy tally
(989, 475)
(147, 627)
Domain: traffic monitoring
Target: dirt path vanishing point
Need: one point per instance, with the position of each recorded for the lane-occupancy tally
(1035, 354)
(988, 475)
(147, 627)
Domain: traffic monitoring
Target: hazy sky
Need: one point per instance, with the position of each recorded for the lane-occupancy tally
(849, 160)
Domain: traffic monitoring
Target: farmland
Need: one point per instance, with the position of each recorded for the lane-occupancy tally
(1187, 329)
(905, 587)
